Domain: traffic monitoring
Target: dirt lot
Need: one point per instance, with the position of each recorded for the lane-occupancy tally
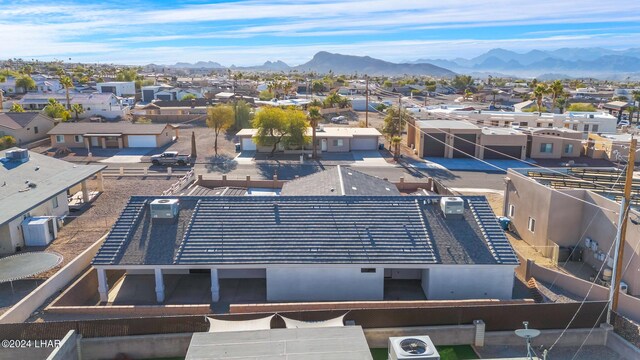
(204, 142)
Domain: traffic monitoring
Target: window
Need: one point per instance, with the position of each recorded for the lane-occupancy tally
(532, 224)
(568, 149)
(77, 138)
(575, 127)
(60, 139)
(586, 128)
(368, 270)
(35, 129)
(495, 123)
(546, 148)
(337, 142)
(54, 202)
(480, 122)
(595, 128)
(566, 126)
(512, 210)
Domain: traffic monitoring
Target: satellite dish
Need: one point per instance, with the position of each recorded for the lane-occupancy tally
(527, 334)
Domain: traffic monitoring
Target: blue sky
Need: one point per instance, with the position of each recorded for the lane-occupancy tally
(251, 32)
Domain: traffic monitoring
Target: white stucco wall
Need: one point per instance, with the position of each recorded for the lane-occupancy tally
(455, 282)
(324, 284)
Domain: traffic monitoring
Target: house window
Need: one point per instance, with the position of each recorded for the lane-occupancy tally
(337, 142)
(568, 149)
(368, 270)
(480, 122)
(595, 128)
(532, 224)
(495, 123)
(546, 148)
(54, 202)
(35, 129)
(566, 126)
(575, 127)
(512, 210)
(586, 128)
(77, 138)
(60, 139)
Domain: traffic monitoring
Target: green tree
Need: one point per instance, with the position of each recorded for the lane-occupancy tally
(462, 82)
(387, 83)
(332, 100)
(538, 94)
(265, 95)
(219, 118)
(15, 107)
(317, 86)
(56, 110)
(25, 82)
(66, 82)
(631, 110)
(556, 89)
(562, 102)
(314, 119)
(78, 110)
(243, 115)
(581, 107)
(394, 124)
(188, 97)
(130, 74)
(7, 142)
(276, 125)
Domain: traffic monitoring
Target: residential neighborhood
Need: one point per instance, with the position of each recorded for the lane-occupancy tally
(315, 180)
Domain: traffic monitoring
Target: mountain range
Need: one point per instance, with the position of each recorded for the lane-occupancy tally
(585, 62)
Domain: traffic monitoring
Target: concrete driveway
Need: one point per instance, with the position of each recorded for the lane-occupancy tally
(128, 156)
(369, 159)
(245, 157)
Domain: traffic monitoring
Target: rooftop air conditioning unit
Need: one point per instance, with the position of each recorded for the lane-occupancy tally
(452, 205)
(164, 208)
(18, 155)
(413, 348)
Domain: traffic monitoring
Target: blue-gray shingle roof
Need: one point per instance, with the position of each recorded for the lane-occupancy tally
(220, 230)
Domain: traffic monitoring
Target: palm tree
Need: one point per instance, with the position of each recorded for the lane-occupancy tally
(314, 118)
(77, 109)
(66, 82)
(396, 140)
(631, 110)
(555, 89)
(538, 93)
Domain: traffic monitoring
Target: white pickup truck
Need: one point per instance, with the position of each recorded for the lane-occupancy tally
(168, 158)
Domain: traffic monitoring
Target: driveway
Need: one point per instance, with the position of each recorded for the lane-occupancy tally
(369, 159)
(128, 156)
(245, 157)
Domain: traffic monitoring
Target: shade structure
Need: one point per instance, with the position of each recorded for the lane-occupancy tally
(298, 324)
(22, 266)
(216, 325)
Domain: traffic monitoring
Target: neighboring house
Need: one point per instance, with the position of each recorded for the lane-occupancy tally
(312, 248)
(559, 210)
(174, 107)
(339, 181)
(553, 143)
(95, 104)
(8, 86)
(616, 108)
(612, 147)
(119, 88)
(329, 139)
(25, 127)
(111, 135)
(46, 84)
(149, 92)
(37, 187)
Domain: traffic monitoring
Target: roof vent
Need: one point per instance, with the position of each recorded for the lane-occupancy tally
(452, 206)
(18, 155)
(164, 209)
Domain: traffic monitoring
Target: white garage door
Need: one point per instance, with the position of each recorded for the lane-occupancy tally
(142, 141)
(248, 145)
(368, 143)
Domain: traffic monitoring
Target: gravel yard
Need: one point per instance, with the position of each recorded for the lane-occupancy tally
(205, 138)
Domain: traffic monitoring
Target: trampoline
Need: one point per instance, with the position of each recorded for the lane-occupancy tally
(24, 265)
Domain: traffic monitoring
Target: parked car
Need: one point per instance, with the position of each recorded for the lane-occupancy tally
(168, 158)
(339, 120)
(623, 123)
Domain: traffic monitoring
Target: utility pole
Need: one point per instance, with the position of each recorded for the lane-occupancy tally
(614, 289)
(366, 102)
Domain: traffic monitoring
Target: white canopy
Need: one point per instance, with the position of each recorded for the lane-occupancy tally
(297, 324)
(216, 325)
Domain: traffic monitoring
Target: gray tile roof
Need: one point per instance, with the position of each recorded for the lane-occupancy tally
(339, 181)
(122, 127)
(17, 120)
(51, 176)
(237, 230)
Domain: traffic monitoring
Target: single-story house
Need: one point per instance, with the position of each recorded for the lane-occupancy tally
(616, 108)
(25, 127)
(329, 139)
(119, 88)
(613, 147)
(339, 181)
(313, 248)
(553, 143)
(34, 185)
(106, 105)
(112, 135)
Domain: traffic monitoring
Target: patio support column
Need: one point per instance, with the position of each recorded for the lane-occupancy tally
(103, 286)
(100, 182)
(103, 142)
(159, 285)
(87, 144)
(448, 150)
(120, 143)
(85, 192)
(523, 153)
(215, 286)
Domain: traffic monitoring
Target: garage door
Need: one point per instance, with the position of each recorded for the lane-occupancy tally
(137, 141)
(248, 145)
(501, 152)
(433, 145)
(465, 145)
(359, 143)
